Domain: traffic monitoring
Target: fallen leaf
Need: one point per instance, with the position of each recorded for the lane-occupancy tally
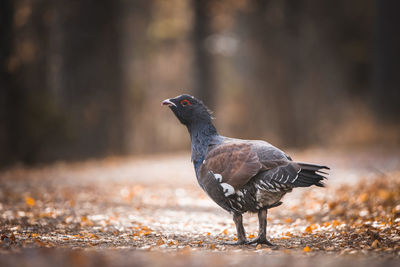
(306, 249)
(288, 220)
(289, 234)
(363, 197)
(376, 244)
(12, 237)
(30, 201)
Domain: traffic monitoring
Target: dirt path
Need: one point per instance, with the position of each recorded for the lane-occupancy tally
(151, 211)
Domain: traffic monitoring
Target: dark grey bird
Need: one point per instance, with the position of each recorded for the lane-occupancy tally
(240, 175)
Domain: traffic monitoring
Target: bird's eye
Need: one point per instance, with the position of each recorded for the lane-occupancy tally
(185, 103)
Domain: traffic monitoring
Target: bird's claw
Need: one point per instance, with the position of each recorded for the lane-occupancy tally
(259, 240)
(235, 243)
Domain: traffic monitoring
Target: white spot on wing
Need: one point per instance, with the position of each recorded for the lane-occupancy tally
(218, 177)
(228, 189)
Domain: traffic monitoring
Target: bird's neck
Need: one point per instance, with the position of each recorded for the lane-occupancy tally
(202, 134)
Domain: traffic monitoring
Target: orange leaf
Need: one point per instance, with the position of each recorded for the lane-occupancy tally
(225, 231)
(326, 224)
(30, 201)
(363, 197)
(251, 236)
(308, 229)
(146, 233)
(289, 234)
(288, 220)
(306, 249)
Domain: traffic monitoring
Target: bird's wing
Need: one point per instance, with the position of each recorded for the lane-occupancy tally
(236, 162)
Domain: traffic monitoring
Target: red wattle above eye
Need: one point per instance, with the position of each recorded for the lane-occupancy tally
(185, 102)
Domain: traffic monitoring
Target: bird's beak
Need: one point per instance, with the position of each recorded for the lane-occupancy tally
(168, 102)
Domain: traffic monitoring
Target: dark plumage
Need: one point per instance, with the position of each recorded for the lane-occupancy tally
(240, 175)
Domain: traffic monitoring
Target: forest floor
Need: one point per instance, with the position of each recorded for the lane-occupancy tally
(149, 211)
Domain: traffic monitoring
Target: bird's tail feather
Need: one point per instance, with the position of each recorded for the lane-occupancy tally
(310, 174)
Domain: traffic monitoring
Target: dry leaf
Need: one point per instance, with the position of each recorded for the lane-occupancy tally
(376, 244)
(30, 201)
(146, 233)
(12, 237)
(160, 242)
(363, 197)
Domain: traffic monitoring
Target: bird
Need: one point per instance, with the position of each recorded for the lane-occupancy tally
(240, 175)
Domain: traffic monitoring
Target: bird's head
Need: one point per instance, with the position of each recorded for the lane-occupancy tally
(188, 109)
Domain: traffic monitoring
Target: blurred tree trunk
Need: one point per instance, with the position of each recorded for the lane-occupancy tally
(290, 66)
(61, 72)
(274, 69)
(386, 92)
(8, 92)
(92, 77)
(204, 81)
(26, 114)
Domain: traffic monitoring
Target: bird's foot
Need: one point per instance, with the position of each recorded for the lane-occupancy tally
(235, 243)
(260, 240)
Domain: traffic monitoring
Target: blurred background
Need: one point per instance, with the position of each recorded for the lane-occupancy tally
(84, 79)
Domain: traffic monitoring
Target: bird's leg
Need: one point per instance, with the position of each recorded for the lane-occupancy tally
(262, 229)
(241, 234)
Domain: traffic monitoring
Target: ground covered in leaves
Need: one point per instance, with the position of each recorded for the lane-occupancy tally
(150, 211)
